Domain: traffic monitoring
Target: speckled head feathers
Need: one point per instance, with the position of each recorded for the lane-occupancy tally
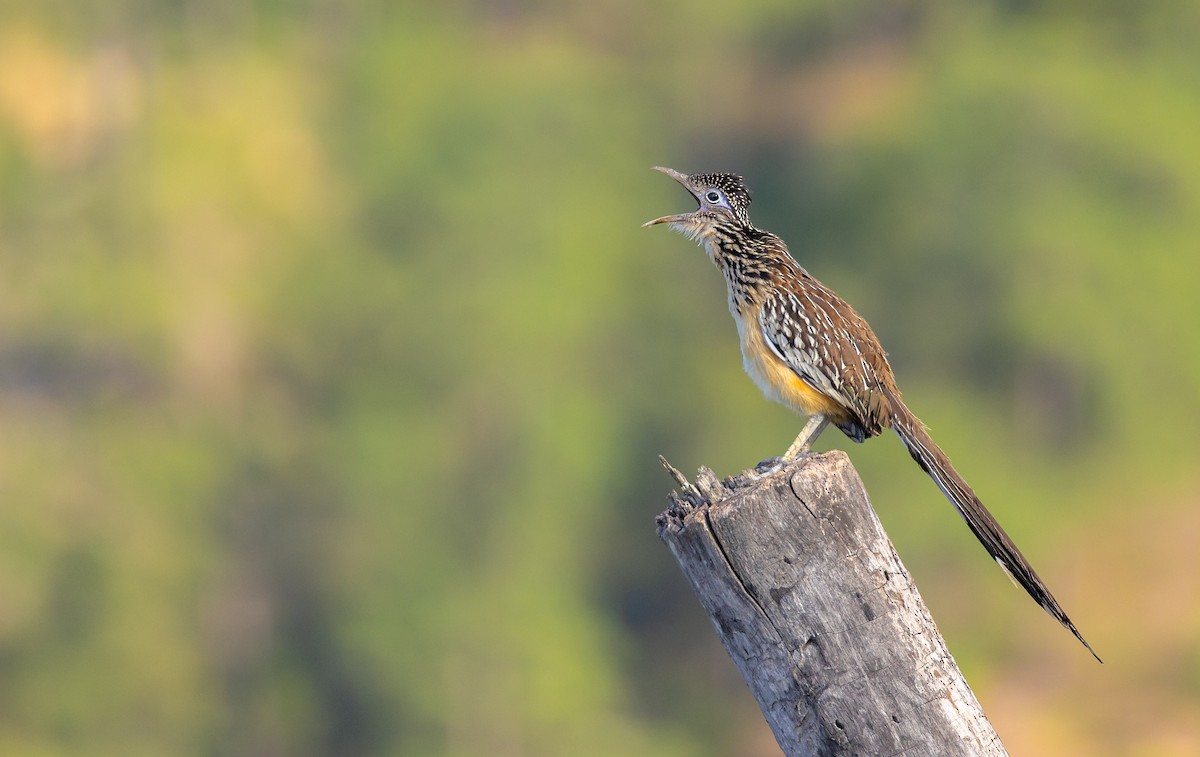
(730, 184)
(721, 197)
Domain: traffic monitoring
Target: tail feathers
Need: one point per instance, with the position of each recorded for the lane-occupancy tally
(998, 544)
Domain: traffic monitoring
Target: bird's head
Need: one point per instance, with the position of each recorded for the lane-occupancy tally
(722, 199)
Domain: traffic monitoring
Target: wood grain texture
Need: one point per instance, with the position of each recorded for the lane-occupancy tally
(812, 603)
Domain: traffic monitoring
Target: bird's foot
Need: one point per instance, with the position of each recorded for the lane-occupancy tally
(770, 465)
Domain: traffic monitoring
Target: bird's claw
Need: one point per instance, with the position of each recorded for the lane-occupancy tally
(770, 465)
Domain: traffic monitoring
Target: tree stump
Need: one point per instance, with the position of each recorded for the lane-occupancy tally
(812, 603)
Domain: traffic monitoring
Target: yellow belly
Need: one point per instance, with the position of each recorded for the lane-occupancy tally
(777, 380)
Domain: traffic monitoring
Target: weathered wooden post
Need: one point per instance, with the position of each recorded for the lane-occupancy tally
(821, 618)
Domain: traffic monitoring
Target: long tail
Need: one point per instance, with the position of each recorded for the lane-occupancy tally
(998, 544)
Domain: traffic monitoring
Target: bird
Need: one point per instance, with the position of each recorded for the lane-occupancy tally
(808, 349)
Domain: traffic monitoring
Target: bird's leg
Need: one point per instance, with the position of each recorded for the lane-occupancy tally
(816, 424)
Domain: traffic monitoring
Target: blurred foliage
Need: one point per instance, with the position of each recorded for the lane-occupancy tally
(333, 362)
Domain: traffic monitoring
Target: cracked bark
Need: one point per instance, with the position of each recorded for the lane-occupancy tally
(819, 615)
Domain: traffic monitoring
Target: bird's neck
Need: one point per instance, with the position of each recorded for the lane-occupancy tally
(750, 260)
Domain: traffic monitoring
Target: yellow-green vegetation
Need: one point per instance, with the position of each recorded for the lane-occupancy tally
(333, 362)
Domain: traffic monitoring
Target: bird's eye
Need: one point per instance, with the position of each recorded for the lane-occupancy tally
(713, 196)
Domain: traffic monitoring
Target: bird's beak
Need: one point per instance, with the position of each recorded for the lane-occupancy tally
(679, 217)
(679, 177)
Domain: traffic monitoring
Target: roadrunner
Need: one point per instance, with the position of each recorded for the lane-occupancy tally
(808, 349)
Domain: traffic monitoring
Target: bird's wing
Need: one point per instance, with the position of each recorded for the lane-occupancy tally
(830, 347)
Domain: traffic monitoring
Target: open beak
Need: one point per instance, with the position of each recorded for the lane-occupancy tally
(679, 177)
(679, 217)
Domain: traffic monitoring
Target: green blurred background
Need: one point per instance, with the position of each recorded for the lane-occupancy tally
(333, 362)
